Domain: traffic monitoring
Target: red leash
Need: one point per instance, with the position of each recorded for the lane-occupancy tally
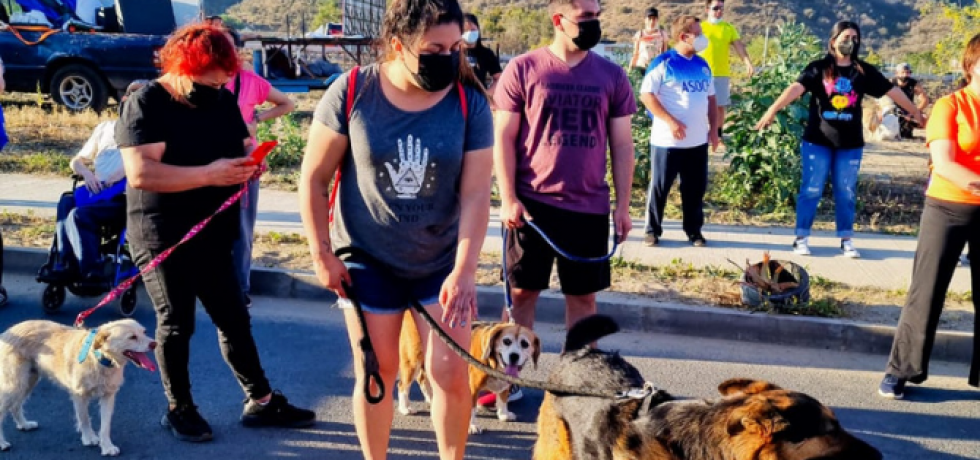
(125, 285)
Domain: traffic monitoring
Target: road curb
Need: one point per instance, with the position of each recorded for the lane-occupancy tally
(632, 314)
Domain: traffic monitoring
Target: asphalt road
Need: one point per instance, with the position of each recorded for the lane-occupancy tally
(305, 352)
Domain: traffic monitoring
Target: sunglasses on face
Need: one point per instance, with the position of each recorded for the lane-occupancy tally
(717, 8)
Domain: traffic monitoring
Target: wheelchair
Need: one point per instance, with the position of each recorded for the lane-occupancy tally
(116, 262)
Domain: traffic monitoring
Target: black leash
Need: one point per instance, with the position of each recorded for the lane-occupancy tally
(369, 359)
(371, 369)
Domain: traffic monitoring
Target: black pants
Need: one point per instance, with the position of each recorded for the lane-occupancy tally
(667, 163)
(905, 124)
(945, 228)
(199, 271)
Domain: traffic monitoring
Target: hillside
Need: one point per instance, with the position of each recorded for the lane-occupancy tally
(891, 27)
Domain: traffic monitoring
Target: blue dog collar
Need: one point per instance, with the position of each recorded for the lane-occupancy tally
(87, 348)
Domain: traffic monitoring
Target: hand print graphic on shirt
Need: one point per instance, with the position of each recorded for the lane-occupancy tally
(409, 177)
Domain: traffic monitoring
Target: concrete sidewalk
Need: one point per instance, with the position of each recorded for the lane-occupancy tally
(886, 260)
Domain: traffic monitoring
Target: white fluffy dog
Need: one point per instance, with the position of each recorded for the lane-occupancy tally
(87, 363)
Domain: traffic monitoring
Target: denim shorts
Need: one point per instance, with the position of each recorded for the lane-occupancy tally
(380, 292)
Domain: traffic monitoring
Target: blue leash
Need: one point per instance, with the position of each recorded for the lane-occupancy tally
(508, 300)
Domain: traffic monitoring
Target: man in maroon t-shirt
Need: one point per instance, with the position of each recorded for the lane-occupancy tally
(559, 109)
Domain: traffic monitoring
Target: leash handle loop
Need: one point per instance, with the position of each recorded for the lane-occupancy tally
(369, 359)
(372, 371)
(568, 256)
(508, 299)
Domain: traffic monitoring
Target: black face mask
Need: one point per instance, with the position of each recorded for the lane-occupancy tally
(589, 34)
(845, 48)
(203, 95)
(437, 71)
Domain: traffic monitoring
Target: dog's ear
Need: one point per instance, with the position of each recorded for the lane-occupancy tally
(490, 340)
(745, 386)
(588, 330)
(101, 337)
(536, 352)
(757, 418)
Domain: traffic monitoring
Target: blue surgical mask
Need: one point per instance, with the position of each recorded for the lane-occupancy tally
(471, 37)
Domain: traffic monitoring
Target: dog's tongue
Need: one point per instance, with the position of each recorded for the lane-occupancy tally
(512, 370)
(144, 361)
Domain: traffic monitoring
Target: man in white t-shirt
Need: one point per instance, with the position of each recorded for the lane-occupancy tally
(679, 92)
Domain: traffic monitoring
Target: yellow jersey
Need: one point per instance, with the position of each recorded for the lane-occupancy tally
(720, 38)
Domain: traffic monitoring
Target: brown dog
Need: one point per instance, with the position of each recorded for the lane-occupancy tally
(754, 420)
(502, 346)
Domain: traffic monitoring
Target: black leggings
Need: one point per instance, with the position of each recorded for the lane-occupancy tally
(199, 271)
(945, 228)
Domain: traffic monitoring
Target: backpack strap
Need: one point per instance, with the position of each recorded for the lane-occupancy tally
(462, 99)
(352, 90)
(238, 84)
(349, 108)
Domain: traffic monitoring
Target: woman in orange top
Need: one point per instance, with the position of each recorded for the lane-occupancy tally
(950, 219)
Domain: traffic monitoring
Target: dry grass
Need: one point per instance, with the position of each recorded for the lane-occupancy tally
(43, 138)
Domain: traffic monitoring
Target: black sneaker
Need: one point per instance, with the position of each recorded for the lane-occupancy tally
(651, 240)
(697, 240)
(892, 387)
(187, 424)
(278, 412)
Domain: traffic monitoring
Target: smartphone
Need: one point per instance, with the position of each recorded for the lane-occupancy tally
(260, 152)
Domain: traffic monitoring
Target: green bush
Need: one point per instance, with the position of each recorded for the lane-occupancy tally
(764, 170)
(641, 137)
(289, 133)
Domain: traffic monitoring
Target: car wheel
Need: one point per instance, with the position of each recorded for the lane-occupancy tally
(79, 88)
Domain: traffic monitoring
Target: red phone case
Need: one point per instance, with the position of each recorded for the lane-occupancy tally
(260, 152)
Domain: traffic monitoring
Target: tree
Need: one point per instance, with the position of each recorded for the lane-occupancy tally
(516, 29)
(327, 11)
(873, 58)
(966, 24)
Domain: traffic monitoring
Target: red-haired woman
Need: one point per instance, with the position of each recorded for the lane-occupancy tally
(184, 142)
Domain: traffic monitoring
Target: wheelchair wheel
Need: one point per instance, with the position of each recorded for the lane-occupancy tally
(53, 298)
(127, 305)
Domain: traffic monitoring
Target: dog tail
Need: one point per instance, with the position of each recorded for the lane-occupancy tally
(588, 330)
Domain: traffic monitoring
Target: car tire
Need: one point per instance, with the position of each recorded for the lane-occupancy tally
(78, 88)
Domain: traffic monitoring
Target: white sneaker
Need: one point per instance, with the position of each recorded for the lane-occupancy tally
(849, 251)
(801, 246)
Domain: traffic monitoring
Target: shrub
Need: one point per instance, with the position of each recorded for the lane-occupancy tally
(289, 133)
(764, 172)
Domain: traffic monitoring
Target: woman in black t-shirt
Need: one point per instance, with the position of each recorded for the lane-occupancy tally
(833, 140)
(485, 63)
(183, 142)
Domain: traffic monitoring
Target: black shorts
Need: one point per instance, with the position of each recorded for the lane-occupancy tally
(530, 258)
